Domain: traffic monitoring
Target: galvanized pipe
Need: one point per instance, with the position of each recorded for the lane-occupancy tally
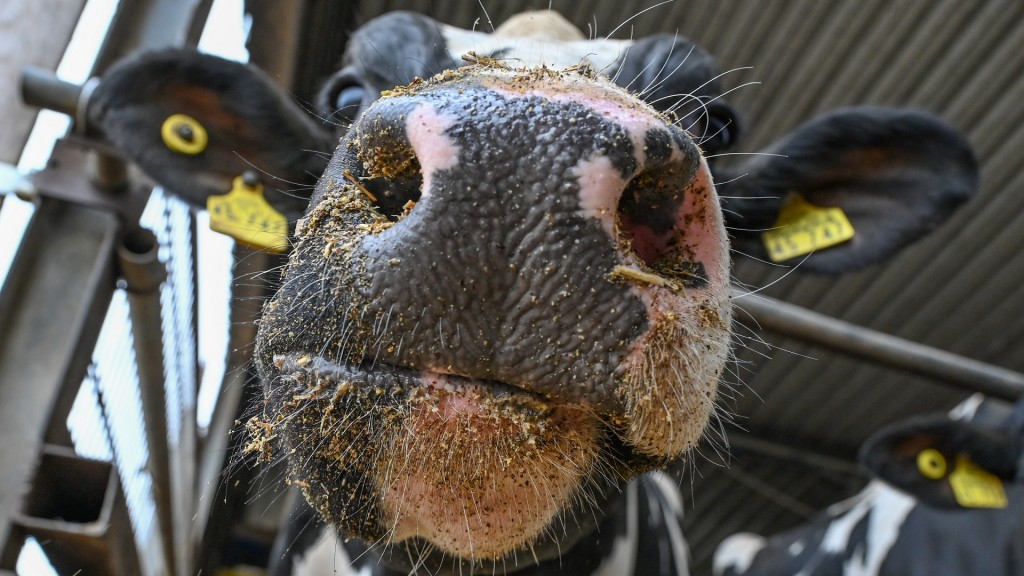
(877, 347)
(42, 89)
(818, 461)
(143, 274)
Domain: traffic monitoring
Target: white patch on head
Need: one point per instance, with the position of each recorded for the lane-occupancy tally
(327, 557)
(737, 552)
(531, 50)
(669, 490)
(425, 128)
(601, 185)
(623, 556)
(888, 510)
(966, 410)
(797, 547)
(539, 24)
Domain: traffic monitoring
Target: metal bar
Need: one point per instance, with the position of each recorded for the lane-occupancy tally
(143, 274)
(880, 348)
(186, 453)
(78, 513)
(51, 310)
(36, 33)
(274, 39)
(43, 89)
(147, 24)
(740, 441)
(65, 179)
(221, 498)
(12, 181)
(138, 24)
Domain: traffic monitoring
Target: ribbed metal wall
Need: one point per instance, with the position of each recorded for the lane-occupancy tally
(957, 290)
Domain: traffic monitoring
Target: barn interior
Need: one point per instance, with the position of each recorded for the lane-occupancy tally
(798, 401)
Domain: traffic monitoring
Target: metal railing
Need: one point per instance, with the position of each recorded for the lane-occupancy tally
(98, 366)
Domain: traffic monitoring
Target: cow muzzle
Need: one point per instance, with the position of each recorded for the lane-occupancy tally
(511, 287)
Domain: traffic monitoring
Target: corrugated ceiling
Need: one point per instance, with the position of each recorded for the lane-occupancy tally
(957, 290)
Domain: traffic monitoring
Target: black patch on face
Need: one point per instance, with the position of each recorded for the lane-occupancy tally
(658, 146)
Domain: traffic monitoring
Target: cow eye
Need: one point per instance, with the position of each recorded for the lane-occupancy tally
(931, 464)
(720, 132)
(347, 102)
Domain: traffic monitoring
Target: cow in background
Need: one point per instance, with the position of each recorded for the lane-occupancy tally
(946, 499)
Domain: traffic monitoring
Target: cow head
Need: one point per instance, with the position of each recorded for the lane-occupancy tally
(945, 493)
(949, 462)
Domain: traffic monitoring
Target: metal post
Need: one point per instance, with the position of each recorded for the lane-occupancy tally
(742, 441)
(77, 510)
(879, 348)
(222, 496)
(42, 89)
(143, 274)
(138, 24)
(51, 310)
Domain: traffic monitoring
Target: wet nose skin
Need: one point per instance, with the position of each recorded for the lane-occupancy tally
(553, 308)
(511, 272)
(503, 270)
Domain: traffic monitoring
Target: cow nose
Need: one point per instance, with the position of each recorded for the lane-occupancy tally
(517, 198)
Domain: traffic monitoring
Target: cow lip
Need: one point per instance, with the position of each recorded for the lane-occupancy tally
(384, 378)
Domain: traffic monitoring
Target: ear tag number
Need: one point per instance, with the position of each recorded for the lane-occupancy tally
(973, 487)
(803, 228)
(184, 134)
(245, 215)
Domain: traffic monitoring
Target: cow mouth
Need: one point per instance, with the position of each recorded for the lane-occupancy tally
(477, 467)
(464, 395)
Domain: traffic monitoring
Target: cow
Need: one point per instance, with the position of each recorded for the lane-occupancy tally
(507, 303)
(946, 498)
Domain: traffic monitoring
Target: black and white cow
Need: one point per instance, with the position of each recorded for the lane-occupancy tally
(946, 499)
(507, 302)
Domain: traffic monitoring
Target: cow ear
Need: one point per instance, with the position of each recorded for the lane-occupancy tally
(894, 174)
(193, 122)
(943, 462)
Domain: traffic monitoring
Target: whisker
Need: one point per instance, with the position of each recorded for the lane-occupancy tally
(638, 14)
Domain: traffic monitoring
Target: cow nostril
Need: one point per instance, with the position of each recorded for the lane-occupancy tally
(646, 219)
(648, 223)
(393, 197)
(391, 174)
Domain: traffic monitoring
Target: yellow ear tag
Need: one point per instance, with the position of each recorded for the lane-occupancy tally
(974, 487)
(803, 228)
(184, 134)
(245, 215)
